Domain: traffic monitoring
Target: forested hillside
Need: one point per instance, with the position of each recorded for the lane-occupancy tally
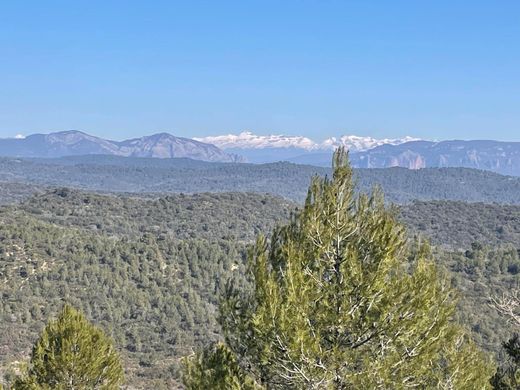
(459, 224)
(207, 216)
(149, 270)
(142, 175)
(13, 192)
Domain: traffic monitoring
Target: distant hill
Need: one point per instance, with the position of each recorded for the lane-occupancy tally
(149, 175)
(500, 157)
(74, 143)
(449, 224)
(495, 156)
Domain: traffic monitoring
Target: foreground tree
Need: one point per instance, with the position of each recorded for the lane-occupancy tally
(340, 300)
(71, 353)
(509, 306)
(508, 375)
(216, 368)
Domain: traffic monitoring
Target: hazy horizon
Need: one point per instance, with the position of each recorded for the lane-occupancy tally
(198, 137)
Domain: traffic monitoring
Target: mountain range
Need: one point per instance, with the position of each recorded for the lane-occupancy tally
(75, 143)
(248, 140)
(271, 148)
(369, 152)
(500, 157)
(366, 152)
(495, 156)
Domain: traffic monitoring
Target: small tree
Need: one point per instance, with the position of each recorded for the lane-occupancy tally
(340, 300)
(215, 368)
(71, 353)
(508, 375)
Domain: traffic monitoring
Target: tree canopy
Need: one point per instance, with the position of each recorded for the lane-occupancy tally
(72, 354)
(340, 299)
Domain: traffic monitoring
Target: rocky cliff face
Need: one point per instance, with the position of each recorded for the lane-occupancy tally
(75, 143)
(501, 157)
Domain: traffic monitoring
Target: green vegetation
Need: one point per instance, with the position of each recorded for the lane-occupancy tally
(340, 300)
(149, 270)
(13, 192)
(71, 353)
(145, 175)
(457, 225)
(138, 273)
(230, 216)
(507, 377)
(215, 368)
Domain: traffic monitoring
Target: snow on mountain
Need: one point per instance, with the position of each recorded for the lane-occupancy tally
(355, 143)
(249, 140)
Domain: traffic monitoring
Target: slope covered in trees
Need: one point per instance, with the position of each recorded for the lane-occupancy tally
(232, 216)
(459, 224)
(155, 297)
(149, 270)
(141, 175)
(14, 192)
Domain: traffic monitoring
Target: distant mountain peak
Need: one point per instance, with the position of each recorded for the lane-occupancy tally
(249, 140)
(496, 156)
(75, 142)
(356, 143)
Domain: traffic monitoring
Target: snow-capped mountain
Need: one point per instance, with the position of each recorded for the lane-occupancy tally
(249, 140)
(355, 143)
(366, 152)
(268, 148)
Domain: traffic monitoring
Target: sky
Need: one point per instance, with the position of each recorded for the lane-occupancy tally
(120, 69)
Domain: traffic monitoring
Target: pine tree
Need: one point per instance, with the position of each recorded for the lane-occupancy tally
(215, 368)
(507, 377)
(71, 353)
(341, 300)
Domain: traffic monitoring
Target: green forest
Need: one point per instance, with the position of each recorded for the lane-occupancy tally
(151, 271)
(22, 177)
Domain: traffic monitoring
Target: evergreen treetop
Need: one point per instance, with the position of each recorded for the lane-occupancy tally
(341, 300)
(72, 354)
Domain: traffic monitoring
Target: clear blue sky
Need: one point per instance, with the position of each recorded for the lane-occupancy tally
(433, 69)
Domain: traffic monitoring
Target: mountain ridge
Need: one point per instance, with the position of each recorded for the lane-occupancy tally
(291, 181)
(75, 143)
(496, 156)
(249, 140)
(366, 152)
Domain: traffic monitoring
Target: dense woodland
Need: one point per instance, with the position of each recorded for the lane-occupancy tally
(149, 271)
(459, 224)
(144, 175)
